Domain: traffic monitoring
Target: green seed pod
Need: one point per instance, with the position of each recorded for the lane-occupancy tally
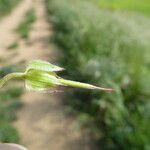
(40, 75)
(36, 80)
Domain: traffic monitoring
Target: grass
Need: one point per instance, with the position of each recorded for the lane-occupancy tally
(25, 26)
(141, 6)
(9, 104)
(6, 6)
(13, 46)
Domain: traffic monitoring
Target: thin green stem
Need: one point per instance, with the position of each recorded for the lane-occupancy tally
(9, 77)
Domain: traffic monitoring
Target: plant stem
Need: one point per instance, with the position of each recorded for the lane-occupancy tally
(9, 77)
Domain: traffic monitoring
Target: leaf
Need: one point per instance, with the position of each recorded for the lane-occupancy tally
(43, 66)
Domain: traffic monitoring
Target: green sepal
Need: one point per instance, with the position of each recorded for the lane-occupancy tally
(36, 80)
(43, 66)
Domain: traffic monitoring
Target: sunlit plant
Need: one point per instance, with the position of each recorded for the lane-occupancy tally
(41, 76)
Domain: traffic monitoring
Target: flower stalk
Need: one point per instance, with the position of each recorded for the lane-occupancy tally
(11, 76)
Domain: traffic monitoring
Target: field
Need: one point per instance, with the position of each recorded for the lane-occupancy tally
(100, 42)
(109, 49)
(139, 6)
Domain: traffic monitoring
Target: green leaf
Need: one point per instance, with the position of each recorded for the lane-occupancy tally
(43, 66)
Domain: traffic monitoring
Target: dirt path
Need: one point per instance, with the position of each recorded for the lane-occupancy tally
(7, 25)
(41, 122)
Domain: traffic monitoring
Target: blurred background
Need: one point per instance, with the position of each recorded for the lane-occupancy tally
(102, 42)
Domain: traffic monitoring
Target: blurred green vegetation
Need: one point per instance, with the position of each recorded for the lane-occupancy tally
(110, 49)
(25, 26)
(13, 46)
(140, 6)
(9, 104)
(6, 6)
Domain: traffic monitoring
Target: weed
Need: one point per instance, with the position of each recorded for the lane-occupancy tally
(25, 26)
(6, 6)
(13, 46)
(8, 133)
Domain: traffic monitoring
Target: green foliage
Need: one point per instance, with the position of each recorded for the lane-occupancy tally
(8, 133)
(130, 5)
(110, 48)
(9, 104)
(13, 46)
(25, 26)
(6, 6)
